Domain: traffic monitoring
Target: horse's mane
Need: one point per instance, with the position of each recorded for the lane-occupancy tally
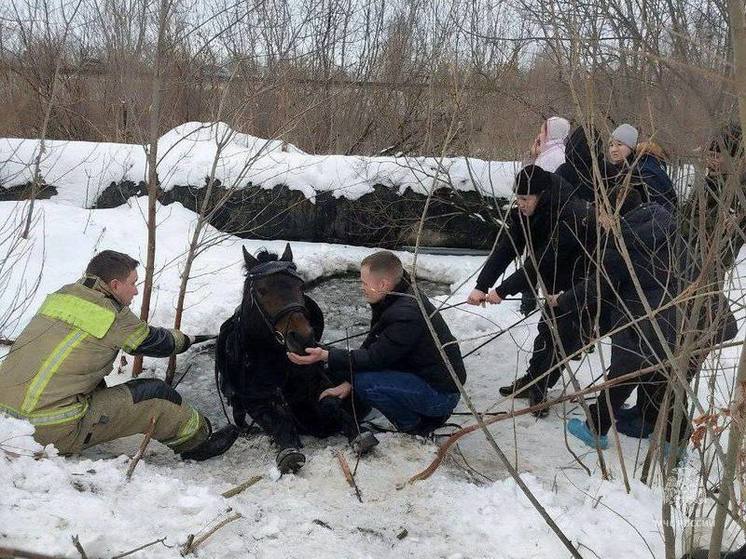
(264, 256)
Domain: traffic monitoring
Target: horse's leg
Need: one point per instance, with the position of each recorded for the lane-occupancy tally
(361, 439)
(239, 415)
(276, 420)
(273, 416)
(330, 412)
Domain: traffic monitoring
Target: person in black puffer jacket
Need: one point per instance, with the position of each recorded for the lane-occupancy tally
(557, 231)
(652, 170)
(577, 170)
(655, 249)
(398, 369)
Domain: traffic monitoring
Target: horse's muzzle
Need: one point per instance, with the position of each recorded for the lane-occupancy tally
(296, 343)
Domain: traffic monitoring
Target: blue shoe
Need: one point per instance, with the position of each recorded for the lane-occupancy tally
(634, 427)
(580, 430)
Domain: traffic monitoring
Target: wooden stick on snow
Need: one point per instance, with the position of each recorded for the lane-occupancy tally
(348, 474)
(141, 450)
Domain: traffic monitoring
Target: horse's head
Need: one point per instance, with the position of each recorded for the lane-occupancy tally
(274, 302)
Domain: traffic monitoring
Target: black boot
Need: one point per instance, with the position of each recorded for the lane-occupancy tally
(427, 425)
(536, 397)
(215, 445)
(516, 387)
(363, 443)
(290, 460)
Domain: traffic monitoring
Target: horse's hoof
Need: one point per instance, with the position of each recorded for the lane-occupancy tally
(290, 460)
(363, 443)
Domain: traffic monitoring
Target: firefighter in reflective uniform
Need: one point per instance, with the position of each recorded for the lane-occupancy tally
(53, 374)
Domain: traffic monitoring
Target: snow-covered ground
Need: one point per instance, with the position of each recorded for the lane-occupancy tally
(82, 170)
(470, 508)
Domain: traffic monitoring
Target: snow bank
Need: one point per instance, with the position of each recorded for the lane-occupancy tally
(82, 170)
(79, 170)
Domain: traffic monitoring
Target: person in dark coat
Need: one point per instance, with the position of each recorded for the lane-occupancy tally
(399, 369)
(650, 166)
(557, 230)
(642, 165)
(653, 244)
(577, 169)
(712, 212)
(622, 144)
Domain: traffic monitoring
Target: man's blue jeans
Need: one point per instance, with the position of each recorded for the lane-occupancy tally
(404, 398)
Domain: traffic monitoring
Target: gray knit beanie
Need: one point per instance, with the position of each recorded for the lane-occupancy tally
(626, 134)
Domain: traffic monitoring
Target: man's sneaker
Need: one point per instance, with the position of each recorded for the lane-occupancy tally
(363, 443)
(580, 430)
(537, 397)
(215, 445)
(290, 460)
(516, 387)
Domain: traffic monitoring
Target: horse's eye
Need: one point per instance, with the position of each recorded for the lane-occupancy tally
(262, 290)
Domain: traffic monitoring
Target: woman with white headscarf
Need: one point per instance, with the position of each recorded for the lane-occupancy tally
(549, 146)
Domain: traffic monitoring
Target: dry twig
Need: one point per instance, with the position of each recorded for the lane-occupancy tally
(79, 547)
(348, 474)
(194, 542)
(141, 450)
(450, 441)
(11, 553)
(241, 487)
(131, 551)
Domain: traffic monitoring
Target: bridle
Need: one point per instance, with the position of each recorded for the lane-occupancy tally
(269, 269)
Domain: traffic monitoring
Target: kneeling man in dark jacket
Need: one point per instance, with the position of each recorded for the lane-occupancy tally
(398, 369)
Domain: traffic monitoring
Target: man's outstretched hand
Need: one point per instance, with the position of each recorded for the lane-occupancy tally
(342, 391)
(314, 355)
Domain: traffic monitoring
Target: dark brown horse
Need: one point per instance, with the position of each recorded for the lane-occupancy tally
(255, 375)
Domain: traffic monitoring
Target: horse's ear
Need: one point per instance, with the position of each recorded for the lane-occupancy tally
(287, 255)
(248, 259)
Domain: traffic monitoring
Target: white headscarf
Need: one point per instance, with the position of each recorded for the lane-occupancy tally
(553, 149)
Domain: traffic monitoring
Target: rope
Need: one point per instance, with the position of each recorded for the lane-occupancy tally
(500, 333)
(437, 309)
(220, 395)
